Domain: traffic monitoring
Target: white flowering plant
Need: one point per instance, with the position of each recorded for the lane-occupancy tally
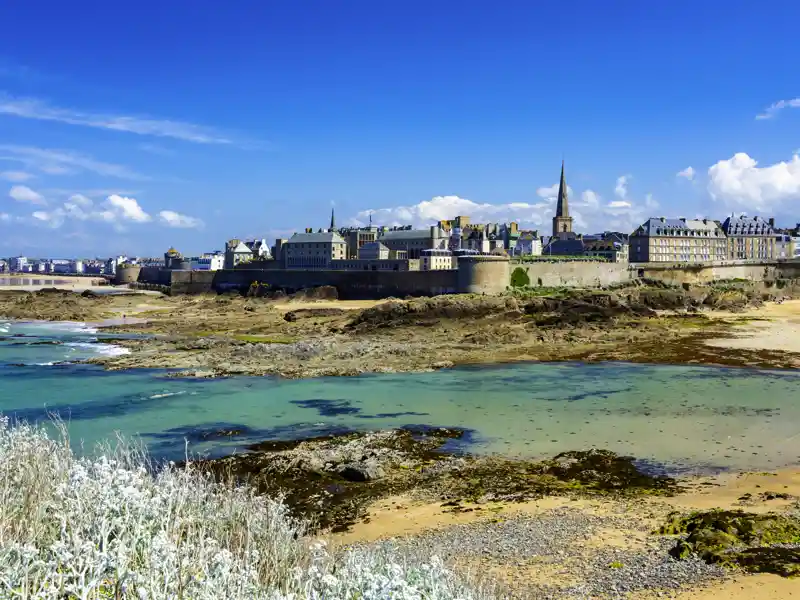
(114, 526)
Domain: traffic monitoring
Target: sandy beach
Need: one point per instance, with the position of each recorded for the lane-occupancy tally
(770, 327)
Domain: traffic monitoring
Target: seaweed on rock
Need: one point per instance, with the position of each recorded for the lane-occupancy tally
(756, 543)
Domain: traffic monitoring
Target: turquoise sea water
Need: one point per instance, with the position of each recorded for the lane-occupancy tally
(685, 418)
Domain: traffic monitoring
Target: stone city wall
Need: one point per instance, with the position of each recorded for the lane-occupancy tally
(484, 274)
(577, 273)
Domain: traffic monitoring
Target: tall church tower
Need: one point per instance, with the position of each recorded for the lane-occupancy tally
(333, 221)
(562, 222)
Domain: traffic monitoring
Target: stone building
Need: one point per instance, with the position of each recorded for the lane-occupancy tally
(750, 238)
(437, 260)
(413, 241)
(373, 251)
(529, 243)
(678, 241)
(236, 253)
(260, 249)
(608, 249)
(311, 250)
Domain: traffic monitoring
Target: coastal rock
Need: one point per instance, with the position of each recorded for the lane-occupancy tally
(366, 471)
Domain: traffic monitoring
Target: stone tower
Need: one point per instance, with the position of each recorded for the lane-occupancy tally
(562, 222)
(333, 221)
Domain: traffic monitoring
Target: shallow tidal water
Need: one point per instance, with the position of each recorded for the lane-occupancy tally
(687, 419)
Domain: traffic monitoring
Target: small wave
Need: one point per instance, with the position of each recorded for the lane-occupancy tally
(60, 326)
(103, 349)
(165, 395)
(46, 364)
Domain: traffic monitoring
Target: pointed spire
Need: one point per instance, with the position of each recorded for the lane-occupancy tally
(562, 208)
(333, 220)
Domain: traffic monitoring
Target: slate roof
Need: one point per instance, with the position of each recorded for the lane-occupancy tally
(662, 226)
(744, 225)
(325, 237)
(406, 234)
(564, 247)
(374, 246)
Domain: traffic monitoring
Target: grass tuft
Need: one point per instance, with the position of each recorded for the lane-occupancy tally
(117, 526)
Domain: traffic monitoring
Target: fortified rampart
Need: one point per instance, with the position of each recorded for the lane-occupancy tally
(476, 274)
(482, 274)
(129, 274)
(573, 273)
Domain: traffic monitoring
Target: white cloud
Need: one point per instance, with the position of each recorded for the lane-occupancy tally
(619, 204)
(552, 191)
(32, 108)
(80, 200)
(64, 162)
(650, 202)
(621, 189)
(739, 182)
(589, 212)
(127, 209)
(5, 217)
(172, 219)
(22, 193)
(687, 173)
(116, 210)
(777, 107)
(591, 198)
(15, 176)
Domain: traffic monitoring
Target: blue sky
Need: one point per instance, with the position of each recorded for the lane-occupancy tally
(132, 128)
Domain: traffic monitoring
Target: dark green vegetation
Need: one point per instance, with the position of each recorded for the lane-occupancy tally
(586, 472)
(331, 480)
(519, 278)
(756, 543)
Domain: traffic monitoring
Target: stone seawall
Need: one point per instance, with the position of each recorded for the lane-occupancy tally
(473, 276)
(576, 273)
(353, 285)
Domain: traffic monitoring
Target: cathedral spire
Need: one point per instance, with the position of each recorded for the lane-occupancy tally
(562, 209)
(562, 222)
(333, 220)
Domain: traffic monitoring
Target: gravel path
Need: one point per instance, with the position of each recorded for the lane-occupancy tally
(560, 541)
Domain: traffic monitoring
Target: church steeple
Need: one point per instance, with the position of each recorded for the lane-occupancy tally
(562, 210)
(333, 221)
(562, 222)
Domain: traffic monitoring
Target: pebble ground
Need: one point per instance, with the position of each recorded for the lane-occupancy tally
(561, 543)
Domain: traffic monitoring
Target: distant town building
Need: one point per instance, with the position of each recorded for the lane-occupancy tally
(750, 238)
(784, 246)
(173, 259)
(437, 260)
(212, 261)
(236, 253)
(18, 264)
(529, 243)
(413, 241)
(314, 250)
(610, 250)
(391, 264)
(678, 240)
(373, 251)
(259, 249)
(357, 237)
